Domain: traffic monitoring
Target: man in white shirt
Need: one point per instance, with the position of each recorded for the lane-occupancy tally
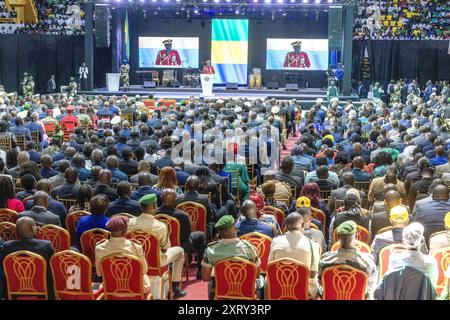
(295, 245)
(83, 72)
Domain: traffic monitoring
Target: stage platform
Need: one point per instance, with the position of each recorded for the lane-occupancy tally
(306, 97)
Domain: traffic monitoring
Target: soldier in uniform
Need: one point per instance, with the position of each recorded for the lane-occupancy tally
(377, 94)
(395, 96)
(29, 88)
(168, 57)
(229, 246)
(332, 91)
(349, 255)
(296, 58)
(73, 87)
(24, 83)
(119, 244)
(125, 75)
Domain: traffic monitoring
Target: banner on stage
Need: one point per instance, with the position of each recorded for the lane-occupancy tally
(282, 54)
(184, 52)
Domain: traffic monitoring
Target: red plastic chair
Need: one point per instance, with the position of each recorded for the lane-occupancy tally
(25, 273)
(262, 244)
(343, 282)
(152, 251)
(287, 279)
(58, 236)
(122, 278)
(235, 278)
(71, 273)
(197, 214)
(89, 240)
(8, 231)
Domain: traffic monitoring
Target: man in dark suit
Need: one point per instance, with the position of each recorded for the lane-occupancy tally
(348, 180)
(191, 194)
(182, 175)
(26, 230)
(145, 182)
(51, 85)
(103, 185)
(39, 211)
(68, 190)
(124, 204)
(54, 206)
(189, 241)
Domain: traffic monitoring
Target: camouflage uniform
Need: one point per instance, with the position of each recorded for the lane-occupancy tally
(332, 91)
(73, 86)
(125, 75)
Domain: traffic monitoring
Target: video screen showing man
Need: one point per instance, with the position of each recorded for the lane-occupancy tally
(168, 56)
(297, 58)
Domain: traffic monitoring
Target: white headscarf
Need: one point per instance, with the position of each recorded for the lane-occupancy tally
(413, 235)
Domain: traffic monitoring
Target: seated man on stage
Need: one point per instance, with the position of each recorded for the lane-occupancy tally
(208, 68)
(296, 58)
(168, 57)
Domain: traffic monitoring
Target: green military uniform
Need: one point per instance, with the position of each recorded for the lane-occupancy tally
(73, 87)
(332, 91)
(30, 86)
(227, 248)
(24, 83)
(377, 94)
(395, 96)
(125, 75)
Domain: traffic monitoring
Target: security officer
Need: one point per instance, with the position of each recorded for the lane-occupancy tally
(229, 246)
(125, 75)
(377, 94)
(119, 244)
(73, 87)
(24, 83)
(146, 222)
(30, 86)
(332, 91)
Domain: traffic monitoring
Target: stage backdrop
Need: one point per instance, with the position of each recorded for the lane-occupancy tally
(253, 35)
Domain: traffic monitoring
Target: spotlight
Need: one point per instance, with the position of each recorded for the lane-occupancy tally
(237, 11)
(255, 1)
(228, 1)
(196, 11)
(280, 1)
(305, 1)
(205, 0)
(216, 1)
(166, 0)
(330, 1)
(154, 0)
(178, 0)
(267, 1)
(292, 1)
(317, 1)
(284, 14)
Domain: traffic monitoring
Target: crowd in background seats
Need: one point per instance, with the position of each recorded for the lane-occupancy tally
(120, 150)
(403, 20)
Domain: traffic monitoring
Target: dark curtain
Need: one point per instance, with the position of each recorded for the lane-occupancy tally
(117, 37)
(40, 56)
(394, 59)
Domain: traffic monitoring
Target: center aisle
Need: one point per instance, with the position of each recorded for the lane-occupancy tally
(197, 289)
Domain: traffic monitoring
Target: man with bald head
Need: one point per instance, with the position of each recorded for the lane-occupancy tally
(189, 241)
(69, 190)
(380, 219)
(103, 185)
(39, 211)
(145, 182)
(144, 166)
(54, 206)
(47, 170)
(357, 170)
(348, 180)
(431, 213)
(295, 245)
(26, 231)
(192, 194)
(59, 180)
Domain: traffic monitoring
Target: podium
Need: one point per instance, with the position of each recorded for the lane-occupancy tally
(207, 84)
(112, 81)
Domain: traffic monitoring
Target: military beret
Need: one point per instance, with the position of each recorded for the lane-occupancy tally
(148, 199)
(225, 222)
(117, 223)
(346, 228)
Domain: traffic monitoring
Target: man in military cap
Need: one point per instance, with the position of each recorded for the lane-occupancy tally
(146, 222)
(347, 254)
(29, 86)
(125, 75)
(119, 244)
(168, 57)
(24, 83)
(332, 91)
(296, 58)
(229, 246)
(73, 87)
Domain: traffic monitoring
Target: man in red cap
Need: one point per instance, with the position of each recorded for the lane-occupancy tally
(69, 122)
(118, 243)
